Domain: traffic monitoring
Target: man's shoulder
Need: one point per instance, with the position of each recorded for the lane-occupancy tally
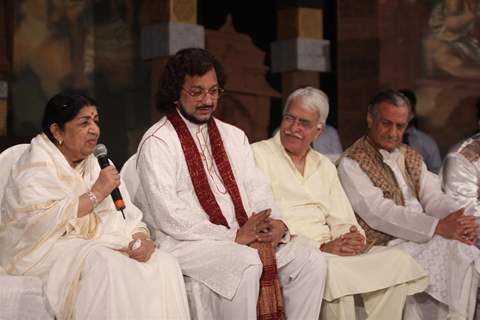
(159, 128)
(231, 134)
(410, 153)
(160, 132)
(230, 128)
(263, 146)
(356, 150)
(324, 161)
(329, 132)
(421, 139)
(470, 149)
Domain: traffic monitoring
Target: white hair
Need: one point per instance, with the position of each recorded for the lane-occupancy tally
(313, 99)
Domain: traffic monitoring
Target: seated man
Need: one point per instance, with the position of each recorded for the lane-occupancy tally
(210, 206)
(402, 205)
(461, 174)
(312, 202)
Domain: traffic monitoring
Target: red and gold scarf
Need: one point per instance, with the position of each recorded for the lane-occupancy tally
(270, 301)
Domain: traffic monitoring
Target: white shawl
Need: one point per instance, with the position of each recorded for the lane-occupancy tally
(39, 208)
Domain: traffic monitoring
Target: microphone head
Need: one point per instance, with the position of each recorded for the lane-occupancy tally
(100, 150)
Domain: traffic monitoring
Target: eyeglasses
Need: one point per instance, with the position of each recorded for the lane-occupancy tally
(304, 123)
(199, 93)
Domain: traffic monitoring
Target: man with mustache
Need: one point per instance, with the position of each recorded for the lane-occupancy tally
(400, 204)
(210, 206)
(309, 195)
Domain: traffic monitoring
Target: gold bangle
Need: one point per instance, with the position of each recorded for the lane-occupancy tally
(93, 199)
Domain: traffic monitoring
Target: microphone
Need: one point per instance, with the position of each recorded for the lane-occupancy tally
(101, 154)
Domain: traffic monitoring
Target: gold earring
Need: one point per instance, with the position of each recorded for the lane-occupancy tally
(60, 142)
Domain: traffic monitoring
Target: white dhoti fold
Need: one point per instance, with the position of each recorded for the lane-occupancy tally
(353, 275)
(383, 292)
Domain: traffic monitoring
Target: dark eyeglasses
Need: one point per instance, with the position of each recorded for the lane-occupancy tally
(199, 93)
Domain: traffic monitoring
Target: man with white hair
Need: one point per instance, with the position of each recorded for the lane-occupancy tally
(312, 202)
(402, 205)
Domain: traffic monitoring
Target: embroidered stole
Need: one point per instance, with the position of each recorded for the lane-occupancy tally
(270, 301)
(371, 162)
(471, 151)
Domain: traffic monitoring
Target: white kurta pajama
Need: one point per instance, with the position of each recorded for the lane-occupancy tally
(85, 276)
(451, 265)
(206, 251)
(461, 176)
(315, 206)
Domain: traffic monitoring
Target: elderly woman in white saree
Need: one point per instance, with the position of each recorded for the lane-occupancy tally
(59, 223)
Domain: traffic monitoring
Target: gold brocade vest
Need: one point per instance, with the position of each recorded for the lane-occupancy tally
(371, 162)
(471, 151)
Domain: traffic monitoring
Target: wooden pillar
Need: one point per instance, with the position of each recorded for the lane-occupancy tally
(301, 52)
(357, 65)
(6, 16)
(172, 26)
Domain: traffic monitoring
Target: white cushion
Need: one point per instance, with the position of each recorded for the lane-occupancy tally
(21, 297)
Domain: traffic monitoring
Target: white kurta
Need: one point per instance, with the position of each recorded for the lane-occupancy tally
(461, 178)
(451, 265)
(40, 235)
(206, 251)
(314, 205)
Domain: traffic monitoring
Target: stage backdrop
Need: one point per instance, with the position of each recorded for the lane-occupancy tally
(87, 46)
(433, 47)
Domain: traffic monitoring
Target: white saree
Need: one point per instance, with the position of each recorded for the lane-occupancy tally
(85, 277)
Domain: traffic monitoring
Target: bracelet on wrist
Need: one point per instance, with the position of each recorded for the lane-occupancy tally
(93, 199)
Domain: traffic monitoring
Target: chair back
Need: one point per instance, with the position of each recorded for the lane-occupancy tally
(130, 177)
(7, 159)
(131, 181)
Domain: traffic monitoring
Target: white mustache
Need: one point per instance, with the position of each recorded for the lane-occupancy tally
(296, 135)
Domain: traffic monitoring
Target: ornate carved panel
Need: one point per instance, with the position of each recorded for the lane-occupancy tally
(246, 102)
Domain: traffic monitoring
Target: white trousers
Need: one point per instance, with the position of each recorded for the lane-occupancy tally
(423, 307)
(302, 281)
(453, 271)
